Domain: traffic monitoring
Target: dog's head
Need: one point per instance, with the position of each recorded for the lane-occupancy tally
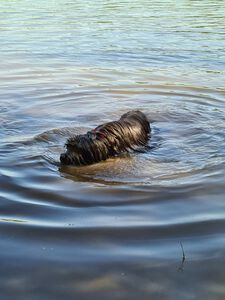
(75, 148)
(84, 149)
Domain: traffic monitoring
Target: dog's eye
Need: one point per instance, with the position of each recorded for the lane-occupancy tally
(69, 146)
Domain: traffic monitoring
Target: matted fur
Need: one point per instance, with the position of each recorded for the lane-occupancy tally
(107, 140)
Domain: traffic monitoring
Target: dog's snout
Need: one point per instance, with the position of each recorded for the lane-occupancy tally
(63, 158)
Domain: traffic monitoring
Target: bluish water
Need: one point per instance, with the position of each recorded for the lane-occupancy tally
(113, 230)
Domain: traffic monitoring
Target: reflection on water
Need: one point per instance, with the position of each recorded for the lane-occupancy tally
(112, 230)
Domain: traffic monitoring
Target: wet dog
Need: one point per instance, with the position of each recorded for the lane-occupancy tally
(131, 131)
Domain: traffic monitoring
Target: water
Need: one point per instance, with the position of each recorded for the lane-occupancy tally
(112, 230)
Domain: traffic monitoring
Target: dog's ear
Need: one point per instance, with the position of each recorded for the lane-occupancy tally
(73, 144)
(69, 143)
(100, 136)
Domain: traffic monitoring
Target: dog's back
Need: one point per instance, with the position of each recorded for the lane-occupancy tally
(140, 118)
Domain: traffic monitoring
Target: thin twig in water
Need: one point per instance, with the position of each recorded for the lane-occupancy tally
(182, 251)
(181, 268)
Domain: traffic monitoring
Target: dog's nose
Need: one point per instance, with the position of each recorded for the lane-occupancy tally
(63, 158)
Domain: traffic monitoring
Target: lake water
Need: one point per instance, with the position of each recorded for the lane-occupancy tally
(114, 230)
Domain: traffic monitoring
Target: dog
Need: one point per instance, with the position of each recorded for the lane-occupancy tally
(131, 131)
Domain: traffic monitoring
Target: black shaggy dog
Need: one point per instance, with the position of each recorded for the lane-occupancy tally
(107, 140)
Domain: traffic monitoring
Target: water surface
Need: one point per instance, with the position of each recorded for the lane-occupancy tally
(112, 230)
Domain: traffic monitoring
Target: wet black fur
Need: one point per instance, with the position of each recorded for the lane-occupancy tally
(107, 140)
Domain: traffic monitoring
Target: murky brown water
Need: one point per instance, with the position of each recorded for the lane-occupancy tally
(112, 230)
